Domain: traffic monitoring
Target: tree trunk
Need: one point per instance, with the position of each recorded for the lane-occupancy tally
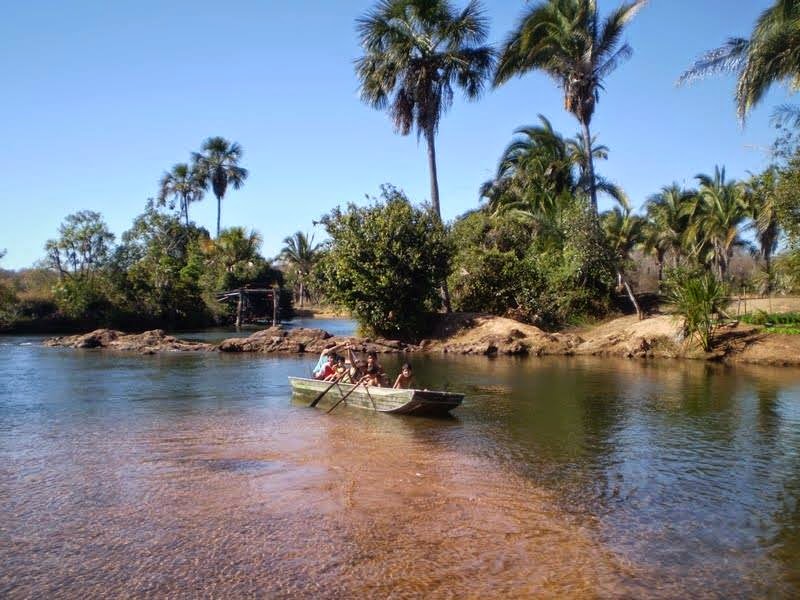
(219, 213)
(768, 266)
(628, 289)
(302, 293)
(587, 145)
(239, 310)
(429, 137)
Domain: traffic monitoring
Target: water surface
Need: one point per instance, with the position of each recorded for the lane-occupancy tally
(128, 475)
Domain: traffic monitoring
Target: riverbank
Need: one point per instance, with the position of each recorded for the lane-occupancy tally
(659, 336)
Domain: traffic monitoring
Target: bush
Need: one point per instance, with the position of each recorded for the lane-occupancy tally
(698, 298)
(385, 263)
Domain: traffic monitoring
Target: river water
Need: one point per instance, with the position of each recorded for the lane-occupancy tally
(195, 475)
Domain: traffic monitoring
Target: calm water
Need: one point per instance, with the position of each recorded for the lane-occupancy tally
(195, 475)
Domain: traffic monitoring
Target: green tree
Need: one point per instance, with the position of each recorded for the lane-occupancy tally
(760, 199)
(716, 216)
(79, 257)
(770, 55)
(384, 264)
(150, 270)
(566, 40)
(300, 253)
(698, 298)
(415, 53)
(218, 165)
(623, 232)
(666, 225)
(181, 184)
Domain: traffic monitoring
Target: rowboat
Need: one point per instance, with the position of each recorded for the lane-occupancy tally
(388, 400)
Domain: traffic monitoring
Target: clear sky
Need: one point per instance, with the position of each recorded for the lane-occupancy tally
(100, 98)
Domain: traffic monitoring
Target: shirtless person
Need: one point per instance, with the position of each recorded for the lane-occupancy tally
(405, 380)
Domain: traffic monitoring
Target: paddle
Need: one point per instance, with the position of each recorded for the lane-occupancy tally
(344, 397)
(325, 391)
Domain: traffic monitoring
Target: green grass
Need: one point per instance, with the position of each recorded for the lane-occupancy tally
(785, 323)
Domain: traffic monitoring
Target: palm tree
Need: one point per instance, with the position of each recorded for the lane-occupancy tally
(666, 224)
(183, 185)
(623, 231)
(415, 52)
(565, 39)
(771, 55)
(716, 214)
(218, 165)
(301, 253)
(236, 248)
(762, 208)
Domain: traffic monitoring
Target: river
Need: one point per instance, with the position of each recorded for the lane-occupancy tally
(194, 475)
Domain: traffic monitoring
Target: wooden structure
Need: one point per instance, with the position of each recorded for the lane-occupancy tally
(388, 400)
(242, 295)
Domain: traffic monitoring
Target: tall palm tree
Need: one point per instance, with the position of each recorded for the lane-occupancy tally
(623, 231)
(181, 184)
(762, 209)
(667, 221)
(415, 53)
(770, 55)
(218, 164)
(566, 40)
(716, 215)
(301, 253)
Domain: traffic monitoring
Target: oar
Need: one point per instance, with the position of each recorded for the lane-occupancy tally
(344, 397)
(325, 391)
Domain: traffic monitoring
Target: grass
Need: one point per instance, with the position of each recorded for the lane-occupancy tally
(785, 323)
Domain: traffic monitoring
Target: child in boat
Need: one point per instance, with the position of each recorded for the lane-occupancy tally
(405, 380)
(340, 370)
(372, 361)
(326, 363)
(372, 378)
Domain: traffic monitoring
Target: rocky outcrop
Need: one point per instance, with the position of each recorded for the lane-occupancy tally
(292, 341)
(149, 342)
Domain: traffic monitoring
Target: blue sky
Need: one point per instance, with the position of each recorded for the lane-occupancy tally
(100, 98)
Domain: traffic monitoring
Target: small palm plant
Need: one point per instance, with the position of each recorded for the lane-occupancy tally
(698, 298)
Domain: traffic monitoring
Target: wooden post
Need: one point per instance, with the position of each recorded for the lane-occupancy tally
(275, 300)
(239, 309)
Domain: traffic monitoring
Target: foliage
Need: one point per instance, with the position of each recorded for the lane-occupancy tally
(83, 247)
(184, 185)
(415, 53)
(770, 55)
(568, 41)
(784, 323)
(384, 263)
(300, 254)
(218, 166)
(698, 298)
(505, 266)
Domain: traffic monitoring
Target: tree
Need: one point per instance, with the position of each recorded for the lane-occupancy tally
(716, 214)
(83, 247)
(301, 254)
(770, 55)
(666, 224)
(415, 52)
(182, 184)
(218, 165)
(623, 231)
(565, 39)
(760, 200)
(384, 264)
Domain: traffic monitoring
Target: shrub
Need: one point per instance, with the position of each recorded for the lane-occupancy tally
(697, 297)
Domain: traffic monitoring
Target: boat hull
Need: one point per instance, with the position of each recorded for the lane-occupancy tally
(388, 400)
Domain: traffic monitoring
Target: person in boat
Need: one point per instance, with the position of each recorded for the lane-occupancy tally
(339, 371)
(372, 378)
(372, 361)
(326, 365)
(405, 380)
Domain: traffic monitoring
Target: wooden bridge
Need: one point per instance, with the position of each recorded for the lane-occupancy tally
(243, 295)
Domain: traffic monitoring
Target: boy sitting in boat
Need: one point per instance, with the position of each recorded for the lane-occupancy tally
(372, 378)
(372, 361)
(405, 380)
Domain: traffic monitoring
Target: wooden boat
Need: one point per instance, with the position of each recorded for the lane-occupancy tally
(388, 400)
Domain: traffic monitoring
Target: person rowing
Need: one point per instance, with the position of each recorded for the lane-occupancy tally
(326, 365)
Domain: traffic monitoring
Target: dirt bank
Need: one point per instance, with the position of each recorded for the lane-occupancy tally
(659, 336)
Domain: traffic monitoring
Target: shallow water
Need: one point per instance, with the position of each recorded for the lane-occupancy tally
(195, 475)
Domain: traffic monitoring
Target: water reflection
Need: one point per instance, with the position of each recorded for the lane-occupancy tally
(154, 475)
